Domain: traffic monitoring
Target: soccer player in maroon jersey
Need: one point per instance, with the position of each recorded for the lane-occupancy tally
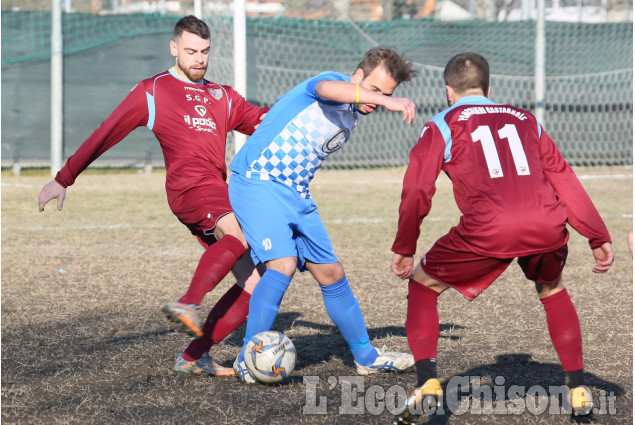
(516, 194)
(190, 118)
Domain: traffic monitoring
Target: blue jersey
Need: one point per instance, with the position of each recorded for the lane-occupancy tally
(298, 133)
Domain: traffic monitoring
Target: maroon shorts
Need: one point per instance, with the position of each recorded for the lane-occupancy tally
(452, 265)
(201, 207)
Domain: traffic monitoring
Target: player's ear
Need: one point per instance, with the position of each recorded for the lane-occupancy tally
(173, 49)
(449, 91)
(488, 90)
(358, 76)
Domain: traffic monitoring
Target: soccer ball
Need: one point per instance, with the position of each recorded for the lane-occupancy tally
(270, 357)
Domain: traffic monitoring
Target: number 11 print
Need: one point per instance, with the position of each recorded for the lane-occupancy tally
(484, 135)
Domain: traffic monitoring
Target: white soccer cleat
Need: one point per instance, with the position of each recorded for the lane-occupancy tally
(387, 362)
(242, 373)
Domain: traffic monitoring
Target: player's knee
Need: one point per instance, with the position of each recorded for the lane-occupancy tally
(436, 287)
(228, 225)
(235, 233)
(425, 280)
(245, 268)
(286, 265)
(326, 273)
(242, 240)
(545, 288)
(250, 283)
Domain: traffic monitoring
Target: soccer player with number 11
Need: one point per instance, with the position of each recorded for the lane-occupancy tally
(517, 194)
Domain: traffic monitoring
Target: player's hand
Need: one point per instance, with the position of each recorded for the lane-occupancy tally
(52, 190)
(262, 117)
(402, 265)
(403, 105)
(604, 257)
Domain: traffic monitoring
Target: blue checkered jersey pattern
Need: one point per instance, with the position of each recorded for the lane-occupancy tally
(298, 133)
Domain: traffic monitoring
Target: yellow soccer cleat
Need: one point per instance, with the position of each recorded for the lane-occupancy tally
(581, 400)
(424, 399)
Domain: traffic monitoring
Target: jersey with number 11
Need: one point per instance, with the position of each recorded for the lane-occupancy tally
(510, 182)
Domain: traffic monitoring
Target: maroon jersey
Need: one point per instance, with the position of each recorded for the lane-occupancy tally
(515, 190)
(190, 121)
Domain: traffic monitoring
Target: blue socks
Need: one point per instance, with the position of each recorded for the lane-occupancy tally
(343, 309)
(341, 306)
(264, 304)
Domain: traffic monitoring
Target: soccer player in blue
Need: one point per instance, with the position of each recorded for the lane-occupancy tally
(269, 192)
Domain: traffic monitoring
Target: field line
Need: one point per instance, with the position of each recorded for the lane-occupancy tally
(28, 186)
(116, 226)
(395, 181)
(605, 176)
(362, 220)
(90, 227)
(445, 180)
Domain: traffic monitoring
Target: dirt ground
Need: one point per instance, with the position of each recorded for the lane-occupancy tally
(84, 341)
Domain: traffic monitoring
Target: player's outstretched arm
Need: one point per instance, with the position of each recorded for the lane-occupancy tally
(52, 190)
(604, 257)
(403, 105)
(402, 265)
(343, 92)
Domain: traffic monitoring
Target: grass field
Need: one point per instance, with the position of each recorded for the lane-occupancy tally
(83, 339)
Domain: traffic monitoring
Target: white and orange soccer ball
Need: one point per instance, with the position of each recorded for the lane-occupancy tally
(270, 357)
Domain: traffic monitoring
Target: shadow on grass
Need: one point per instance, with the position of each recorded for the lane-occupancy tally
(61, 341)
(120, 375)
(329, 343)
(514, 379)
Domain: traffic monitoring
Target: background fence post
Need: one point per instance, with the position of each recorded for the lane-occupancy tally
(539, 85)
(240, 61)
(57, 81)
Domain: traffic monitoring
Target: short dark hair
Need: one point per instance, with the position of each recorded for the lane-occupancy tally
(467, 71)
(191, 24)
(399, 68)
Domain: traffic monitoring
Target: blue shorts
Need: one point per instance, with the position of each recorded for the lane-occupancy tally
(278, 222)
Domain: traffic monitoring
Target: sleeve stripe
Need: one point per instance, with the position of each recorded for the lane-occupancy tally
(151, 110)
(439, 121)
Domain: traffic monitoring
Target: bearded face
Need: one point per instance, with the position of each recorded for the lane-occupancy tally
(192, 55)
(194, 72)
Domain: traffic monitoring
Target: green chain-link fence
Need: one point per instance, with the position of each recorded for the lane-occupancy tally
(589, 70)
